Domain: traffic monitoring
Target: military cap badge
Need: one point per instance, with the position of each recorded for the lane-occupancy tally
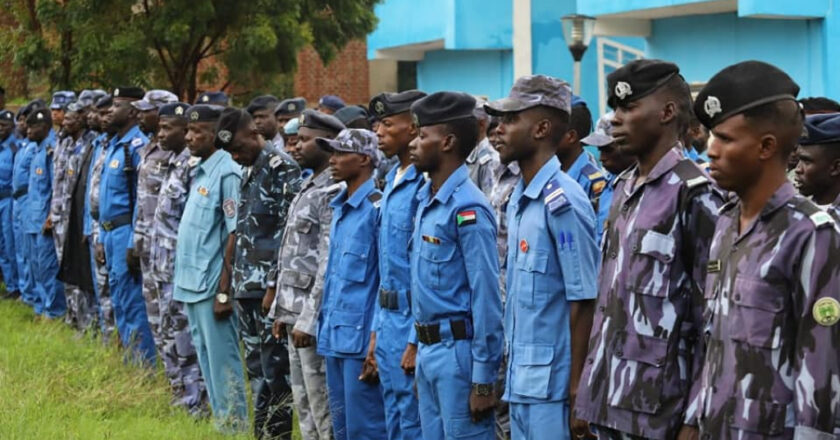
(194, 116)
(180, 110)
(623, 90)
(302, 119)
(415, 119)
(826, 311)
(712, 106)
(379, 107)
(116, 93)
(292, 107)
(205, 98)
(40, 116)
(225, 136)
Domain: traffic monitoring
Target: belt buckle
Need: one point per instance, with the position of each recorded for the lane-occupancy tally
(107, 226)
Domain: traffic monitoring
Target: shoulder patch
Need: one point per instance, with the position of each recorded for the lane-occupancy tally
(229, 206)
(136, 142)
(464, 218)
(554, 197)
(275, 161)
(484, 159)
(821, 219)
(699, 180)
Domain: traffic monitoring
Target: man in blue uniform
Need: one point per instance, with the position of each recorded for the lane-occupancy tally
(8, 256)
(117, 198)
(20, 193)
(391, 350)
(203, 265)
(552, 262)
(44, 261)
(262, 109)
(352, 280)
(455, 297)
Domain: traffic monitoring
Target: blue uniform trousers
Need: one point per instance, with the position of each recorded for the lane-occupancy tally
(401, 413)
(356, 407)
(217, 346)
(26, 283)
(127, 296)
(443, 387)
(539, 421)
(8, 256)
(43, 265)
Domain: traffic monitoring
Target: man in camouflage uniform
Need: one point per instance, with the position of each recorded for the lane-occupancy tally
(818, 170)
(154, 160)
(176, 347)
(771, 369)
(267, 190)
(301, 270)
(641, 376)
(262, 110)
(483, 161)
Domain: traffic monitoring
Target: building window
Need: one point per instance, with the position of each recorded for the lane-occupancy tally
(406, 75)
(611, 56)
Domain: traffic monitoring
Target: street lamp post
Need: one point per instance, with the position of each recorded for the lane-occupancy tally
(577, 31)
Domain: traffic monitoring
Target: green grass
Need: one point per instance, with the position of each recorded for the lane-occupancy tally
(55, 384)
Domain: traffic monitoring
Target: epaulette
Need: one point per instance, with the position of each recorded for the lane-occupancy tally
(484, 156)
(817, 216)
(554, 197)
(596, 178)
(335, 187)
(690, 173)
(375, 198)
(136, 142)
(275, 161)
(193, 161)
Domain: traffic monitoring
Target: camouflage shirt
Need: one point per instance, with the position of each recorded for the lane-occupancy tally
(303, 255)
(68, 161)
(266, 193)
(482, 164)
(834, 209)
(176, 177)
(645, 353)
(772, 369)
(93, 182)
(504, 181)
(153, 165)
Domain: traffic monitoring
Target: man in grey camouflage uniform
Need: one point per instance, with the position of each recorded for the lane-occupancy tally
(261, 109)
(483, 161)
(267, 190)
(641, 376)
(301, 270)
(154, 160)
(176, 347)
(771, 368)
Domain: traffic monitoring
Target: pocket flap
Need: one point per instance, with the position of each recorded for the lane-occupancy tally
(757, 294)
(656, 245)
(358, 248)
(646, 349)
(437, 253)
(533, 261)
(297, 279)
(533, 354)
(762, 416)
(340, 318)
(303, 226)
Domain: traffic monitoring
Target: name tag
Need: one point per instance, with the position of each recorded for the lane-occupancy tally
(713, 266)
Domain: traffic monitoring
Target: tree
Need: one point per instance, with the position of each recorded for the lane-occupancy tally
(87, 43)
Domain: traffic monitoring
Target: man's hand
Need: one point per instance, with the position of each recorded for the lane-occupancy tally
(481, 406)
(409, 359)
(268, 300)
(222, 311)
(99, 254)
(301, 339)
(278, 329)
(132, 260)
(579, 428)
(370, 371)
(688, 432)
(46, 229)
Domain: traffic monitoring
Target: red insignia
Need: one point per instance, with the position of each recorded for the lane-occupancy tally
(523, 245)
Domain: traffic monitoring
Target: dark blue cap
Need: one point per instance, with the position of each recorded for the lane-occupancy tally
(821, 129)
(291, 106)
(204, 113)
(389, 104)
(30, 106)
(262, 102)
(61, 98)
(637, 79)
(216, 98)
(442, 107)
(129, 92)
(6, 115)
(351, 113)
(104, 101)
(38, 116)
(331, 102)
(320, 121)
(174, 110)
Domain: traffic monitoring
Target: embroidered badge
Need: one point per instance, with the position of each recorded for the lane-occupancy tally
(623, 90)
(136, 142)
(523, 245)
(225, 136)
(39, 171)
(555, 197)
(713, 266)
(114, 164)
(430, 239)
(712, 106)
(379, 107)
(202, 190)
(229, 206)
(465, 218)
(599, 186)
(275, 161)
(826, 311)
(179, 110)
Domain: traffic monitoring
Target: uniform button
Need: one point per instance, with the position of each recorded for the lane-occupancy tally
(589, 361)
(625, 208)
(601, 308)
(619, 353)
(730, 419)
(737, 297)
(635, 247)
(613, 255)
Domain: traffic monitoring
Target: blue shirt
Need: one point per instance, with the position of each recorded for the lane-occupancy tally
(23, 164)
(209, 218)
(7, 164)
(552, 260)
(115, 194)
(352, 279)
(396, 223)
(587, 173)
(455, 267)
(604, 205)
(40, 185)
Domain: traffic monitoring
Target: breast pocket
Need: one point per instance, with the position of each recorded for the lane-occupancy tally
(354, 261)
(6, 171)
(757, 311)
(347, 331)
(204, 213)
(192, 275)
(436, 258)
(400, 228)
(650, 260)
(116, 176)
(531, 273)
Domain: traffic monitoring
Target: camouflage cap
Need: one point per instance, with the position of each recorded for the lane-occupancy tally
(353, 140)
(602, 136)
(532, 91)
(61, 98)
(291, 106)
(153, 99)
(292, 126)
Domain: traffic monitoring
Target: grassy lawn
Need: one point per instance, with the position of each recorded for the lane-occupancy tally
(55, 384)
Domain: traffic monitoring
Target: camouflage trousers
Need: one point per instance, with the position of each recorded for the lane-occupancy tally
(267, 365)
(174, 344)
(81, 308)
(151, 296)
(107, 320)
(611, 434)
(309, 388)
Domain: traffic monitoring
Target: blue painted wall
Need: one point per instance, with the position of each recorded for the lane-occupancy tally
(600, 7)
(486, 72)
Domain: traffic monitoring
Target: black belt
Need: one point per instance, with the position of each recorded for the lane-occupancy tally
(5, 194)
(116, 222)
(390, 300)
(431, 333)
(20, 192)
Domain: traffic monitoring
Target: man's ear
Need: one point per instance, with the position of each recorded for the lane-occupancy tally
(768, 146)
(668, 113)
(834, 169)
(542, 129)
(449, 143)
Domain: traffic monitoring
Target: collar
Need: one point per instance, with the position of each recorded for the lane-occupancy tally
(410, 174)
(452, 183)
(665, 164)
(209, 164)
(540, 180)
(474, 153)
(779, 198)
(183, 156)
(578, 164)
(134, 132)
(319, 180)
(357, 198)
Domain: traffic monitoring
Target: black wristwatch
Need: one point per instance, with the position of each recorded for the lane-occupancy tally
(482, 389)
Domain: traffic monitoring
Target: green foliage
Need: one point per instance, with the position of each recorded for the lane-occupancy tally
(165, 43)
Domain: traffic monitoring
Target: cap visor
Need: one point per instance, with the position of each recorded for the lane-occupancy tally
(506, 105)
(55, 106)
(329, 144)
(142, 105)
(597, 140)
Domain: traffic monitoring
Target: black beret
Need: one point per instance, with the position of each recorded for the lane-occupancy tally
(823, 128)
(204, 113)
(228, 126)
(740, 87)
(217, 98)
(129, 92)
(291, 106)
(262, 102)
(6, 115)
(351, 113)
(174, 109)
(320, 121)
(389, 104)
(2, 91)
(40, 115)
(104, 101)
(637, 79)
(31, 106)
(442, 107)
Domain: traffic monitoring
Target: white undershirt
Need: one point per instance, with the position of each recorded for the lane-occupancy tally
(400, 173)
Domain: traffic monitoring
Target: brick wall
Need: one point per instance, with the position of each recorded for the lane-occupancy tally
(346, 75)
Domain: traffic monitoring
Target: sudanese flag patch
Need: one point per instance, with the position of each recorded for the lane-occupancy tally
(465, 218)
(229, 206)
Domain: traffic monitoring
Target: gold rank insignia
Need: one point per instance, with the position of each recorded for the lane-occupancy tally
(39, 171)
(430, 239)
(713, 266)
(599, 186)
(70, 171)
(114, 164)
(826, 311)
(202, 190)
